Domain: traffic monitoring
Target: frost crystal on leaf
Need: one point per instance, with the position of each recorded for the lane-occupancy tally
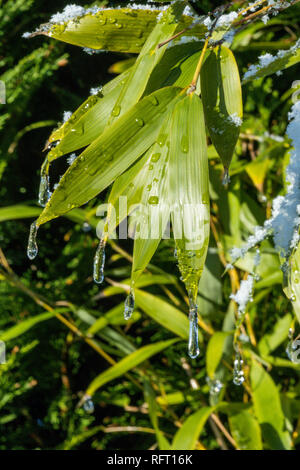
(235, 119)
(96, 90)
(69, 13)
(267, 59)
(71, 158)
(265, 19)
(229, 36)
(207, 22)
(226, 20)
(66, 116)
(244, 294)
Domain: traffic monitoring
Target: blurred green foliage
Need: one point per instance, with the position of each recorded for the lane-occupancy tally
(49, 366)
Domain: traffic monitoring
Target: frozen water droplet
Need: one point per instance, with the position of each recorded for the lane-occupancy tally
(88, 404)
(226, 177)
(139, 122)
(99, 262)
(184, 144)
(153, 200)
(44, 190)
(193, 347)
(238, 373)
(215, 386)
(32, 248)
(116, 111)
(162, 139)
(86, 227)
(153, 100)
(129, 305)
(155, 157)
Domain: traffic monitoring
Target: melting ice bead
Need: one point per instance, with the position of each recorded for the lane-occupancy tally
(215, 386)
(238, 373)
(226, 177)
(129, 305)
(32, 248)
(293, 350)
(88, 404)
(193, 347)
(99, 262)
(44, 190)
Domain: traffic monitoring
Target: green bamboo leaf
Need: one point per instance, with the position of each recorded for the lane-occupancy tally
(150, 398)
(110, 155)
(187, 436)
(23, 212)
(188, 189)
(118, 30)
(148, 58)
(177, 398)
(269, 64)
(154, 208)
(222, 101)
(88, 121)
(176, 66)
(214, 351)
(268, 409)
(130, 185)
(25, 325)
(128, 363)
(246, 430)
(163, 313)
(272, 340)
(18, 212)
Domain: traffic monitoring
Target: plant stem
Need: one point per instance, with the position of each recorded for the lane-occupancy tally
(198, 69)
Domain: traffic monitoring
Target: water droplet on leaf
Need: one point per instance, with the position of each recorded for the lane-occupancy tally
(139, 122)
(153, 200)
(155, 157)
(116, 110)
(154, 100)
(184, 144)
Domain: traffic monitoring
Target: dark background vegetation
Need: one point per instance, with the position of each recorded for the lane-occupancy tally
(48, 368)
